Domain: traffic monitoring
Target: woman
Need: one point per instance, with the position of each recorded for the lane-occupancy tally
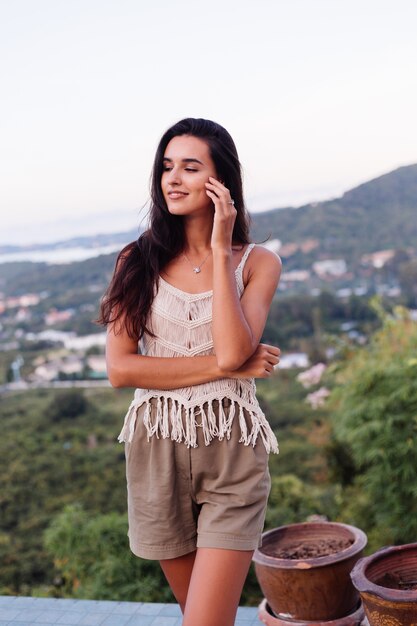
(195, 294)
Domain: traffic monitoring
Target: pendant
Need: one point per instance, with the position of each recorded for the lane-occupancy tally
(196, 270)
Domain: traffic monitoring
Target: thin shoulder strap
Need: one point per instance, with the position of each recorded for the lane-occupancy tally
(239, 269)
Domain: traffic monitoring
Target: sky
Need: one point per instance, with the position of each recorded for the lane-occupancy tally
(319, 96)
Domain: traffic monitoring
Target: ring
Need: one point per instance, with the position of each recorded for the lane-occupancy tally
(231, 202)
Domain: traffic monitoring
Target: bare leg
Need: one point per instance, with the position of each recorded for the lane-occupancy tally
(178, 574)
(215, 587)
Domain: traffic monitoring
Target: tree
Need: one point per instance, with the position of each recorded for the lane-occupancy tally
(408, 281)
(93, 560)
(291, 501)
(375, 420)
(67, 405)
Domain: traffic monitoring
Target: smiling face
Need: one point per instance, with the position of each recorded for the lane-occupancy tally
(187, 167)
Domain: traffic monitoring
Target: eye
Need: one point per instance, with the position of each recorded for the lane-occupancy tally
(166, 168)
(190, 169)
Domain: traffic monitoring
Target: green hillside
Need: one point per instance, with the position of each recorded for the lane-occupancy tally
(377, 215)
(24, 277)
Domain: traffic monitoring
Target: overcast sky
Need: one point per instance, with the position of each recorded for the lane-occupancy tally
(319, 95)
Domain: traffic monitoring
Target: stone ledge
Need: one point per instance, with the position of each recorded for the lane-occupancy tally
(28, 611)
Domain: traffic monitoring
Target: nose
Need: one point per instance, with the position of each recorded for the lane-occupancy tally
(174, 177)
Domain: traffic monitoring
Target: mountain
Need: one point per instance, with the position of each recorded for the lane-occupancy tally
(377, 215)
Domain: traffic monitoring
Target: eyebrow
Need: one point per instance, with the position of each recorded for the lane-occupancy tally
(189, 160)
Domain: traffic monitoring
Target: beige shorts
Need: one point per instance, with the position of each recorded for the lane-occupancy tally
(182, 498)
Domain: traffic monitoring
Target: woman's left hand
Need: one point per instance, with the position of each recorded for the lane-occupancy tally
(224, 214)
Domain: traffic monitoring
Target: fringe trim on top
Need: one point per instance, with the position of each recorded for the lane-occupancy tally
(170, 418)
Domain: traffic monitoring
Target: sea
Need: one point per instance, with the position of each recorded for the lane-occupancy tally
(60, 255)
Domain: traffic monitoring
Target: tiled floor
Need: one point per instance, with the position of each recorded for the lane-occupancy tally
(23, 611)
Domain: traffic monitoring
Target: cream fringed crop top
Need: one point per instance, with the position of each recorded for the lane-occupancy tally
(181, 323)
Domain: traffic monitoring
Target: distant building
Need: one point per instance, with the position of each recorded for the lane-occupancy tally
(293, 359)
(96, 364)
(53, 336)
(288, 249)
(45, 373)
(378, 259)
(29, 299)
(70, 365)
(308, 245)
(24, 301)
(392, 291)
(86, 341)
(23, 315)
(55, 317)
(347, 292)
(305, 246)
(330, 268)
(295, 276)
(70, 340)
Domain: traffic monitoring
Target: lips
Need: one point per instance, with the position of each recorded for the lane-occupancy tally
(175, 195)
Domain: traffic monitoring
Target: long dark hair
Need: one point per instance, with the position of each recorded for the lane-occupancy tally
(133, 286)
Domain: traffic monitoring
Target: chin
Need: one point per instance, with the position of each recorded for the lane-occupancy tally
(177, 210)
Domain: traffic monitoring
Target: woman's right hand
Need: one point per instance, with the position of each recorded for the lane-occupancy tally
(260, 365)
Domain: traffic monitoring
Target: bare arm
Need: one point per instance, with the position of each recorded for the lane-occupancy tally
(238, 324)
(126, 368)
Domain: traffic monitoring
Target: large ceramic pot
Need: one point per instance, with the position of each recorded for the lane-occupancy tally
(312, 589)
(387, 583)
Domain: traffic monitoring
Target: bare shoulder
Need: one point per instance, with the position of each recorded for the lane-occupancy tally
(263, 267)
(261, 259)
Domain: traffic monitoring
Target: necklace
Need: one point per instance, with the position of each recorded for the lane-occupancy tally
(197, 268)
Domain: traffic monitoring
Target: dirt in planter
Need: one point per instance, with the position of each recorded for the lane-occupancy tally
(309, 549)
(391, 580)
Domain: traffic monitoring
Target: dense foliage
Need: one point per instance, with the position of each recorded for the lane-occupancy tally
(50, 458)
(307, 322)
(375, 424)
(92, 556)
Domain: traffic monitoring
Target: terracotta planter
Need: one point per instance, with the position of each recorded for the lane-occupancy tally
(314, 589)
(266, 617)
(381, 580)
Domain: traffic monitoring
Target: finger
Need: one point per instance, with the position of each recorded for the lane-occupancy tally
(220, 206)
(273, 350)
(273, 363)
(216, 182)
(223, 194)
(213, 196)
(218, 188)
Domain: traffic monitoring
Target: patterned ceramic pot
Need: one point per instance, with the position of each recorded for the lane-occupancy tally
(387, 583)
(311, 589)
